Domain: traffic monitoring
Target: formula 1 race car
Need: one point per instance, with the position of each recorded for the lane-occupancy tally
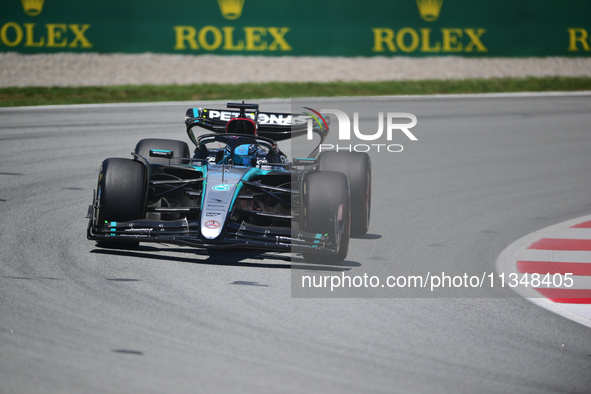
(237, 190)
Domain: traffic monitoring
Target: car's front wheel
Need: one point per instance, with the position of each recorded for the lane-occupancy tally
(120, 193)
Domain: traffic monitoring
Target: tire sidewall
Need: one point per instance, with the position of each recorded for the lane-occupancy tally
(357, 167)
(121, 190)
(322, 195)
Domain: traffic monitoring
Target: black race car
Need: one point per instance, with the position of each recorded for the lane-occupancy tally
(237, 189)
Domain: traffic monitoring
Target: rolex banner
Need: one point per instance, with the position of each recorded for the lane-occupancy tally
(299, 28)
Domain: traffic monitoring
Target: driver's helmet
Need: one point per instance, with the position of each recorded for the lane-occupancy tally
(245, 155)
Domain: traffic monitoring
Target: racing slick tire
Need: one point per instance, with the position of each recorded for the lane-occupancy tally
(179, 149)
(357, 167)
(121, 194)
(325, 199)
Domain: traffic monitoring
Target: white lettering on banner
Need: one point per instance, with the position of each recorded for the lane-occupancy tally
(263, 118)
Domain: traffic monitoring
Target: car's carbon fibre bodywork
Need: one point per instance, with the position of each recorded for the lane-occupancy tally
(206, 201)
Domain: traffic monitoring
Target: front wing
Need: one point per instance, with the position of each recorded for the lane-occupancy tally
(235, 235)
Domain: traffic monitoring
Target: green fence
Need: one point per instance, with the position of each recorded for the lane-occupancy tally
(299, 28)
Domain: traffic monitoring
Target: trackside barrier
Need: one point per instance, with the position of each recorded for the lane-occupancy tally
(483, 28)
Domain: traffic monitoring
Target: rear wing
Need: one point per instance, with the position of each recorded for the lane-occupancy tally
(275, 125)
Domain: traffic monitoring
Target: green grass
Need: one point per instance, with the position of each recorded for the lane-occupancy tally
(149, 93)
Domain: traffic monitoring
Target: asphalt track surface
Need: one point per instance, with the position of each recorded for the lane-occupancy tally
(486, 171)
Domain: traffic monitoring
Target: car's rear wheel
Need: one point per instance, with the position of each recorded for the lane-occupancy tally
(357, 167)
(179, 149)
(326, 210)
(121, 194)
